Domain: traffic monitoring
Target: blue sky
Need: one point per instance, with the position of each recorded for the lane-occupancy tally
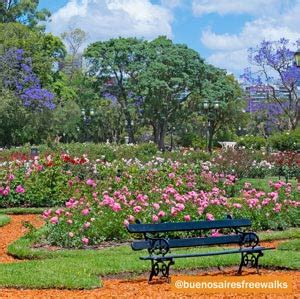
(220, 30)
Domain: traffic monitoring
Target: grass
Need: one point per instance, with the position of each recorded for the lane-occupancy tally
(263, 184)
(22, 211)
(4, 220)
(81, 269)
(291, 233)
(293, 245)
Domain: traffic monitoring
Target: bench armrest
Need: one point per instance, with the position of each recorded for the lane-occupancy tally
(159, 246)
(249, 239)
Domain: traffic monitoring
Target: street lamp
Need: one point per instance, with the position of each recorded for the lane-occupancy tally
(129, 127)
(210, 107)
(297, 57)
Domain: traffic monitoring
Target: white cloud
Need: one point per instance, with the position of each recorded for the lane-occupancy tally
(104, 19)
(230, 50)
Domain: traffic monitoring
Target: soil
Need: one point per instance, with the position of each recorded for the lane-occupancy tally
(126, 286)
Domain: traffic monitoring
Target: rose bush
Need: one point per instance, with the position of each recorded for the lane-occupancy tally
(163, 191)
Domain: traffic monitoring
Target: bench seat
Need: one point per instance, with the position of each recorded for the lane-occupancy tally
(241, 250)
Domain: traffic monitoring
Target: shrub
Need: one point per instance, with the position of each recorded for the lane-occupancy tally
(252, 142)
(288, 141)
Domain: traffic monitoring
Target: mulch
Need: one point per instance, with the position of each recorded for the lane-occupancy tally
(124, 287)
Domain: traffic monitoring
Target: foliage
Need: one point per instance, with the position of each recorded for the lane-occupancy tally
(223, 88)
(17, 75)
(23, 11)
(287, 164)
(286, 141)
(252, 142)
(45, 50)
(242, 162)
(114, 63)
(274, 61)
(172, 72)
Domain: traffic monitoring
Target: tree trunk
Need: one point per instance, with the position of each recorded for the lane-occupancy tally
(129, 128)
(162, 134)
(155, 132)
(211, 132)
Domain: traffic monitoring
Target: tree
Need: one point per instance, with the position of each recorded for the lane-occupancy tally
(17, 75)
(26, 107)
(115, 64)
(74, 38)
(45, 50)
(218, 86)
(277, 75)
(172, 72)
(23, 11)
(13, 117)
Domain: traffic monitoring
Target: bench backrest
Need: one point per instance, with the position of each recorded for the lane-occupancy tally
(187, 226)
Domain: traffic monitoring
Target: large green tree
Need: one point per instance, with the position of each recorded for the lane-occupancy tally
(23, 11)
(116, 64)
(171, 74)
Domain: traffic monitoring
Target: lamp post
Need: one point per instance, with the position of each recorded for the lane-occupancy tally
(210, 108)
(128, 125)
(297, 58)
(87, 116)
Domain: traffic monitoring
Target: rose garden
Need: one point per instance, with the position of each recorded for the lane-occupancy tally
(100, 138)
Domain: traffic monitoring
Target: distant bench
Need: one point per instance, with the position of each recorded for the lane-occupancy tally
(158, 245)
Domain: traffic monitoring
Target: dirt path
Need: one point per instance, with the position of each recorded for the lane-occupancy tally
(117, 288)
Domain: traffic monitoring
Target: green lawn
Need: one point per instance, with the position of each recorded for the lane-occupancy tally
(4, 220)
(77, 269)
(21, 211)
(263, 184)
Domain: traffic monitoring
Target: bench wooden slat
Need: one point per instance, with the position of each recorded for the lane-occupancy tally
(166, 257)
(187, 226)
(191, 242)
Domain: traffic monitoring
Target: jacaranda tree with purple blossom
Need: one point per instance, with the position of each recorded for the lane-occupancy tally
(17, 75)
(275, 73)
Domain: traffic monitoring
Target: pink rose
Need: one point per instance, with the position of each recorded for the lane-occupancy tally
(85, 212)
(137, 209)
(116, 207)
(91, 182)
(155, 218)
(187, 217)
(11, 177)
(161, 214)
(171, 175)
(156, 206)
(71, 235)
(6, 190)
(20, 189)
(54, 220)
(85, 240)
(131, 218)
(210, 216)
(87, 225)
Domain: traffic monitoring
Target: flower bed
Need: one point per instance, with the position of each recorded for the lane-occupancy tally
(98, 198)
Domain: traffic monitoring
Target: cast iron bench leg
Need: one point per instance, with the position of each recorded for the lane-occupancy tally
(160, 266)
(250, 259)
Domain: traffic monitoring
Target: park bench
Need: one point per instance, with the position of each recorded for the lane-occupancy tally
(158, 240)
